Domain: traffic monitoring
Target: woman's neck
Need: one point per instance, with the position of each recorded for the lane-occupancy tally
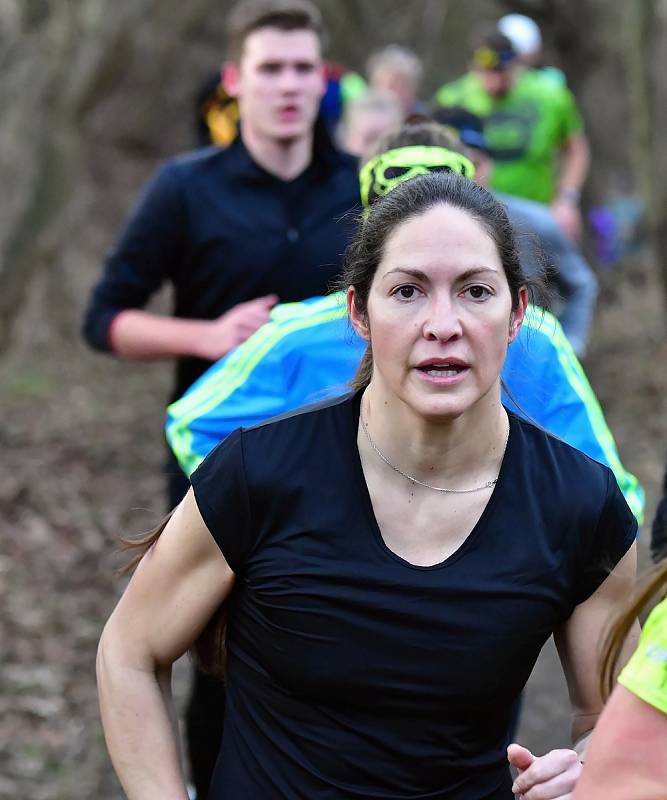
(444, 451)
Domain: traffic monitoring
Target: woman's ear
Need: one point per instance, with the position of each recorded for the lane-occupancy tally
(518, 314)
(357, 318)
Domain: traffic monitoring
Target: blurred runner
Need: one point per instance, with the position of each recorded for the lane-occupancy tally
(625, 759)
(217, 113)
(533, 127)
(574, 279)
(398, 71)
(367, 119)
(233, 231)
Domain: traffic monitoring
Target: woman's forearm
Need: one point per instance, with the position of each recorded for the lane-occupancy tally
(138, 721)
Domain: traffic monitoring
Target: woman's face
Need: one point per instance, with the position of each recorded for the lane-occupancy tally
(439, 314)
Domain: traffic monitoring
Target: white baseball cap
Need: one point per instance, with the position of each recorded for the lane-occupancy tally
(522, 31)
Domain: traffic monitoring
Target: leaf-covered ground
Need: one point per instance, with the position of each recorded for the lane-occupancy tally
(81, 445)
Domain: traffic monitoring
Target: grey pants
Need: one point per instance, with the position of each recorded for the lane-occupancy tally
(575, 281)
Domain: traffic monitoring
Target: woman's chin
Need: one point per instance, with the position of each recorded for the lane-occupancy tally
(440, 409)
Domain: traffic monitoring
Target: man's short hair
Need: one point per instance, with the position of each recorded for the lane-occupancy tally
(286, 15)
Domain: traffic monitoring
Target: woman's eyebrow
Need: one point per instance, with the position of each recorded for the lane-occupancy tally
(474, 271)
(422, 276)
(414, 273)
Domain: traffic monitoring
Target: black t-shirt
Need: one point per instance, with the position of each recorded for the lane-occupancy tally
(355, 674)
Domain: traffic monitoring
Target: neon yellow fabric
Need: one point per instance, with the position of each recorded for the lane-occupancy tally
(646, 673)
(352, 85)
(540, 320)
(385, 171)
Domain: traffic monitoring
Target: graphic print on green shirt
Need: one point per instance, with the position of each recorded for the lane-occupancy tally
(525, 130)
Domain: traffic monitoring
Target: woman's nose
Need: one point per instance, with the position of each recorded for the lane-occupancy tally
(442, 321)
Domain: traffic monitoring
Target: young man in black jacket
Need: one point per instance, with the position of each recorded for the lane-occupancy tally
(234, 231)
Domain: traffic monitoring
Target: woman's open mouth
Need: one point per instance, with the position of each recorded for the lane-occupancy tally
(444, 370)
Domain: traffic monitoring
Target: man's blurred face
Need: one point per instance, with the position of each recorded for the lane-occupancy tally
(364, 129)
(391, 81)
(279, 82)
(498, 82)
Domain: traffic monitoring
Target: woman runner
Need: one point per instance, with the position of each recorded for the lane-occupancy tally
(390, 563)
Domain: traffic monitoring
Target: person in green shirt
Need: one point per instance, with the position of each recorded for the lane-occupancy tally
(626, 755)
(532, 125)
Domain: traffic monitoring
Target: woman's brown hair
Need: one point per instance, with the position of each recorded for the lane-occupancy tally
(655, 583)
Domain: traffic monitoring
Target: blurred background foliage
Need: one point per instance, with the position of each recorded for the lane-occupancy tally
(93, 94)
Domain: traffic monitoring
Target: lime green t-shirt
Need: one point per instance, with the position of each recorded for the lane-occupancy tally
(646, 673)
(525, 129)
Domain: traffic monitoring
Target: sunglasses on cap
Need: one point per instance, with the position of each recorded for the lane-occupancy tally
(384, 172)
(495, 60)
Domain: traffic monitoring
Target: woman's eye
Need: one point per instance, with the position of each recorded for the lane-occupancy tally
(405, 292)
(478, 292)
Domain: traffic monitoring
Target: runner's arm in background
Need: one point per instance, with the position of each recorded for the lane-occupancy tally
(626, 755)
(142, 335)
(178, 586)
(574, 165)
(149, 252)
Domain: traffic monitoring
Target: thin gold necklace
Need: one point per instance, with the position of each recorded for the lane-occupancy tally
(412, 479)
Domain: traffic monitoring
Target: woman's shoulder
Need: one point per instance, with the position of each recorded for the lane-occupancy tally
(309, 424)
(556, 460)
(285, 448)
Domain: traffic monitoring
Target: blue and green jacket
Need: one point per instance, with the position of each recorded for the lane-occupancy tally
(308, 352)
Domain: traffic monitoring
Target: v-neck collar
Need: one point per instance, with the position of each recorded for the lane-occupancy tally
(367, 504)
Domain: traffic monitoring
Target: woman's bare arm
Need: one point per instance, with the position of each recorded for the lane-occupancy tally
(626, 756)
(178, 586)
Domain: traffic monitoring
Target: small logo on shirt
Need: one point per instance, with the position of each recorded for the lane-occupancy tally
(656, 653)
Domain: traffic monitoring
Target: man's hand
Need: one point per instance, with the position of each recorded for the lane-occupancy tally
(568, 216)
(549, 777)
(232, 328)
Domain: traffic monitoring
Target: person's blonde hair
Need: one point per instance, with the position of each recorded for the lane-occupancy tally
(397, 59)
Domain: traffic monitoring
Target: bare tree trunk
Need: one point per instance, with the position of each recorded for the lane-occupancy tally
(650, 41)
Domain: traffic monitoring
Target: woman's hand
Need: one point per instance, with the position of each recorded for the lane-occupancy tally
(549, 777)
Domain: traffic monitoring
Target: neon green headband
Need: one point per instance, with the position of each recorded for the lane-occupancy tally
(384, 172)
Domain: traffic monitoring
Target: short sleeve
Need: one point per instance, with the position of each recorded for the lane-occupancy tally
(220, 489)
(606, 545)
(645, 675)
